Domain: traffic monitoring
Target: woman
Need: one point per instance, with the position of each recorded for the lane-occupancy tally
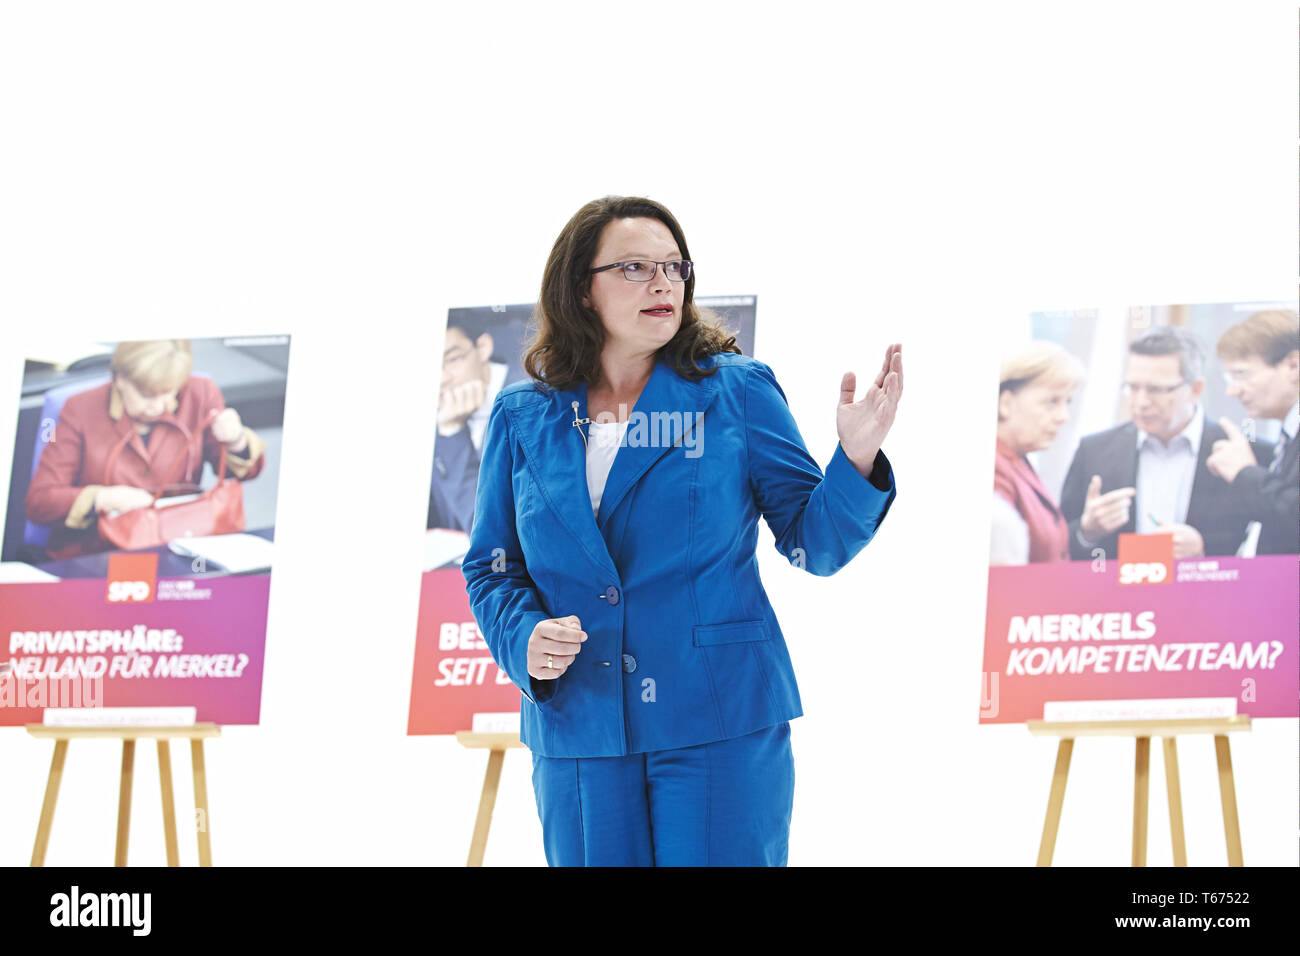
(153, 405)
(623, 597)
(1034, 396)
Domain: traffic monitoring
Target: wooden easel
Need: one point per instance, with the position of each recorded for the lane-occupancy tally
(128, 735)
(496, 745)
(1143, 731)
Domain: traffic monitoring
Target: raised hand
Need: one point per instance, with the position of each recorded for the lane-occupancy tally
(457, 403)
(863, 424)
(1229, 455)
(1104, 514)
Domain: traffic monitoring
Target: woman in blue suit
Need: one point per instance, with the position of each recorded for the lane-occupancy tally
(612, 566)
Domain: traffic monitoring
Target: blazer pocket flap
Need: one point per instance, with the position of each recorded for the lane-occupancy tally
(736, 632)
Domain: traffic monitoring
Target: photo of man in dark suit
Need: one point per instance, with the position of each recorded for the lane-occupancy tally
(1149, 475)
(1261, 365)
(470, 382)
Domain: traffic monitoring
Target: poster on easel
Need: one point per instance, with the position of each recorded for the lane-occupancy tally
(1145, 533)
(455, 685)
(139, 532)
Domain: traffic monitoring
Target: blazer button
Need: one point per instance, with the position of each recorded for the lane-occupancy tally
(629, 663)
(611, 595)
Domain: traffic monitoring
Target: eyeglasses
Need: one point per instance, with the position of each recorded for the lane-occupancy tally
(1237, 376)
(643, 270)
(453, 356)
(1155, 391)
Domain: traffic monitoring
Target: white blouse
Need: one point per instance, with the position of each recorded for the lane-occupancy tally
(1009, 541)
(603, 440)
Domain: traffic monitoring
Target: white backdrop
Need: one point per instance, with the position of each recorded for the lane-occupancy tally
(346, 172)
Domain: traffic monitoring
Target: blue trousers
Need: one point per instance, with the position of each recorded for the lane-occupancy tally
(726, 803)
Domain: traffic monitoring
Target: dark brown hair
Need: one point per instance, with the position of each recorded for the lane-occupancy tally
(565, 348)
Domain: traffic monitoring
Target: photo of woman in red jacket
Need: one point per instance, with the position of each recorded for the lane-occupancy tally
(153, 407)
(1037, 384)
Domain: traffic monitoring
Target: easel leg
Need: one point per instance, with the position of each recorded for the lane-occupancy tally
(168, 803)
(1055, 801)
(1175, 801)
(201, 801)
(1228, 794)
(124, 802)
(486, 802)
(51, 798)
(1141, 764)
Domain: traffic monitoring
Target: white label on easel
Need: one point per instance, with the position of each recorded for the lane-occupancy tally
(1169, 708)
(495, 723)
(120, 716)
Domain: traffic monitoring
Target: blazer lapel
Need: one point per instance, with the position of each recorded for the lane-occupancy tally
(649, 437)
(558, 462)
(557, 455)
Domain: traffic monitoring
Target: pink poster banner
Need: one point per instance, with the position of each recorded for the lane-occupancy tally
(102, 643)
(1060, 633)
(453, 667)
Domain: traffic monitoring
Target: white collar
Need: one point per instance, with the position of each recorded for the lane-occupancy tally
(1292, 422)
(1193, 430)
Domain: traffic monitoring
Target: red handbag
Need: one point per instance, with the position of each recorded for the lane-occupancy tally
(219, 510)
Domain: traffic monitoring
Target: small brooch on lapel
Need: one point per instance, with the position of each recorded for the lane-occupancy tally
(579, 422)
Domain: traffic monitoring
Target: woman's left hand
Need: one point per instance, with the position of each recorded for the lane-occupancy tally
(863, 425)
(226, 427)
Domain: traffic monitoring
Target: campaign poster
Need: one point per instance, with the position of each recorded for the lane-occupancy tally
(139, 531)
(455, 683)
(1145, 532)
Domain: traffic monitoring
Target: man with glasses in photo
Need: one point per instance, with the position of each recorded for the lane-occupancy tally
(1261, 367)
(470, 382)
(1149, 474)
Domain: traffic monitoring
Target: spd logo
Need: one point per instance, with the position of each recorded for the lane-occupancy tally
(1146, 558)
(131, 577)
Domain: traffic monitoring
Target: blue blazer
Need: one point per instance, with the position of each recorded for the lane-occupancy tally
(683, 646)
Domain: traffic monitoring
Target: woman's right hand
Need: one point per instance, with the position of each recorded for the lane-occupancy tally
(121, 498)
(559, 637)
